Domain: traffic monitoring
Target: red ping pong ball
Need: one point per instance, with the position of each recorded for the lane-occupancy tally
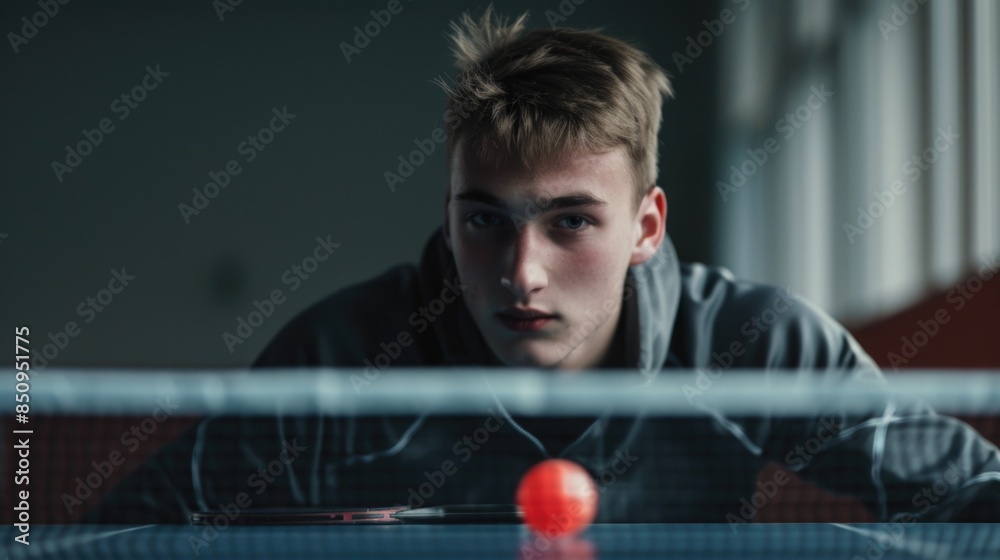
(557, 497)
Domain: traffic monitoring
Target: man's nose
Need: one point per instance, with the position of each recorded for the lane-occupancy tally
(525, 270)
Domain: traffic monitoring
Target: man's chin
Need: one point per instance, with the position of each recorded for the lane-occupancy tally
(535, 354)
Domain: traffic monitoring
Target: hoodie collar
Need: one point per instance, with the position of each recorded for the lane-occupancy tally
(657, 293)
(650, 301)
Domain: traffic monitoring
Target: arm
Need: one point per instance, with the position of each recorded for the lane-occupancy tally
(278, 461)
(902, 460)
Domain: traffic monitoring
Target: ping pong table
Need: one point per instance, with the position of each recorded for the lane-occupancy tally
(944, 541)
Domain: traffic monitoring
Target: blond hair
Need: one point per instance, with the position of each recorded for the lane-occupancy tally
(531, 96)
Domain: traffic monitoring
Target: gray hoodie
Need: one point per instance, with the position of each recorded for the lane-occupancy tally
(903, 461)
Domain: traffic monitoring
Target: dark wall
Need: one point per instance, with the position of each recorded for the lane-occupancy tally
(64, 233)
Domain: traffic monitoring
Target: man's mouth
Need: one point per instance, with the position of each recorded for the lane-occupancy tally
(524, 319)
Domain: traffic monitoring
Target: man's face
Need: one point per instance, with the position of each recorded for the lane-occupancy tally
(545, 254)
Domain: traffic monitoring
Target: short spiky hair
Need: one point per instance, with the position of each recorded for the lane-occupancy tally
(531, 96)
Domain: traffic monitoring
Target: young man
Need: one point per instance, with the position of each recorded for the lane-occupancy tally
(553, 254)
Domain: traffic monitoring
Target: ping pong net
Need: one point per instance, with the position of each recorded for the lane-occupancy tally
(208, 451)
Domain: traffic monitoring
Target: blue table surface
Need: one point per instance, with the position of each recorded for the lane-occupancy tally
(700, 541)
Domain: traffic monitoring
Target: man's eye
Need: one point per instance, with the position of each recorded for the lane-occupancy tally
(485, 219)
(572, 222)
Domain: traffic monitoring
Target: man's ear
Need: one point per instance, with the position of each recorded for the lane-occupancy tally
(650, 226)
(446, 229)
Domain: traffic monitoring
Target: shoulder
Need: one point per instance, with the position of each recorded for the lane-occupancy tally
(345, 326)
(725, 319)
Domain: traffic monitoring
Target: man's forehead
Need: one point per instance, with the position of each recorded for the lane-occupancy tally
(589, 174)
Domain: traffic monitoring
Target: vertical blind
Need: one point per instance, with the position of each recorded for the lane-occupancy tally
(859, 156)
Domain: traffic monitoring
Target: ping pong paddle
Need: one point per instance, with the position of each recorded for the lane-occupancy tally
(464, 513)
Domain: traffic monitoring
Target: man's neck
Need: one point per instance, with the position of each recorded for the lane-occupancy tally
(614, 357)
(603, 348)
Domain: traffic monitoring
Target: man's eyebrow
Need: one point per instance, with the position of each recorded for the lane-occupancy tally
(571, 200)
(473, 195)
